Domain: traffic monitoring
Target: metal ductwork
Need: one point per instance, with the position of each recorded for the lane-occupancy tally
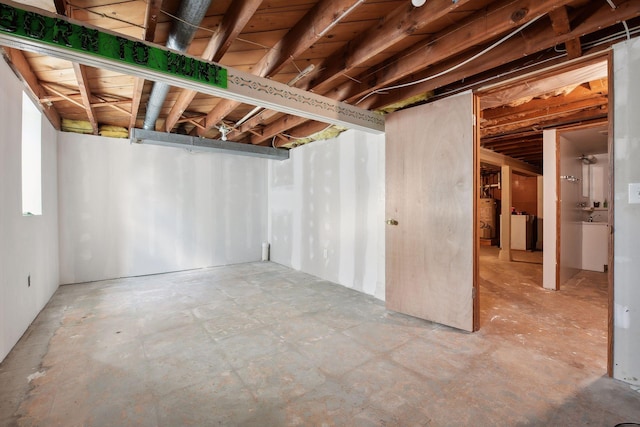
(189, 17)
(195, 143)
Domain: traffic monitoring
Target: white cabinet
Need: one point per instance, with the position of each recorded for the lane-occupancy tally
(595, 245)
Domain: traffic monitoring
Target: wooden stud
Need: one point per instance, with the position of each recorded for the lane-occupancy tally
(499, 160)
(101, 103)
(471, 32)
(67, 98)
(151, 19)
(537, 40)
(577, 113)
(138, 85)
(61, 7)
(404, 20)
(496, 115)
(85, 92)
(505, 226)
(232, 24)
(283, 124)
(257, 120)
(196, 124)
(467, 34)
(561, 25)
(303, 35)
(190, 119)
(150, 22)
(111, 104)
(17, 61)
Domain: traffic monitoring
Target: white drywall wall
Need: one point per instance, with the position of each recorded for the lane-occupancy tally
(626, 268)
(570, 199)
(131, 209)
(327, 211)
(549, 209)
(28, 244)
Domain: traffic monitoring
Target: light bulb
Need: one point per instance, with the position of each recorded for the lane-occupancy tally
(418, 3)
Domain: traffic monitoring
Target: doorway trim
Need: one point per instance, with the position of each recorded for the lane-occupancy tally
(610, 190)
(540, 74)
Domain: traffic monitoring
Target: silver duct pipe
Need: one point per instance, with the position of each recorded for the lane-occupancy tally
(184, 27)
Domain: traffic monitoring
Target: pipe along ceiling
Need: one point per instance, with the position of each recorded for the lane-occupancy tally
(189, 16)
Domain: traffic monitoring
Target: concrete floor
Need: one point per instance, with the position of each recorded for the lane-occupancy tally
(261, 345)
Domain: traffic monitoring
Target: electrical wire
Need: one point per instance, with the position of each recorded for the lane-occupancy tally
(177, 18)
(104, 15)
(209, 30)
(335, 21)
(115, 3)
(496, 77)
(455, 67)
(627, 33)
(626, 28)
(608, 39)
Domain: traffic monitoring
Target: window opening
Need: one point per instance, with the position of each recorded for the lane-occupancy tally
(31, 158)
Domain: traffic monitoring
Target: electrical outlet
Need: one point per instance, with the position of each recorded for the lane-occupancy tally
(325, 252)
(28, 281)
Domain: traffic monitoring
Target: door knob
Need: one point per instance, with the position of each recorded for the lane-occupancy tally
(392, 222)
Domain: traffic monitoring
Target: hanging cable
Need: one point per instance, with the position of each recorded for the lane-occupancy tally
(104, 15)
(627, 33)
(624, 23)
(455, 67)
(492, 78)
(626, 28)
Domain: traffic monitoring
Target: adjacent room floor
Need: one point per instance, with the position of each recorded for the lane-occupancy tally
(262, 345)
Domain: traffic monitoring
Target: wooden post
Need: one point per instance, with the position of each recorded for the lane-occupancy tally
(505, 235)
(540, 213)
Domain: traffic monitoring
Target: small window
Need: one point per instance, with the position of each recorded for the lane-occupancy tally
(31, 158)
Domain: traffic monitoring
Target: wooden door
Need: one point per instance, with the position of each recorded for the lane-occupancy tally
(430, 258)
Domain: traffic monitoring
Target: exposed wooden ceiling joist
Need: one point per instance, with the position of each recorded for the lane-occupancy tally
(61, 7)
(149, 34)
(478, 29)
(85, 93)
(377, 44)
(138, 86)
(404, 21)
(497, 159)
(240, 86)
(472, 31)
(232, 24)
(151, 19)
(320, 19)
(534, 39)
(392, 29)
(572, 113)
(561, 25)
(16, 59)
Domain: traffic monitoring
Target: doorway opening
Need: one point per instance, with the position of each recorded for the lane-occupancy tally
(519, 179)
